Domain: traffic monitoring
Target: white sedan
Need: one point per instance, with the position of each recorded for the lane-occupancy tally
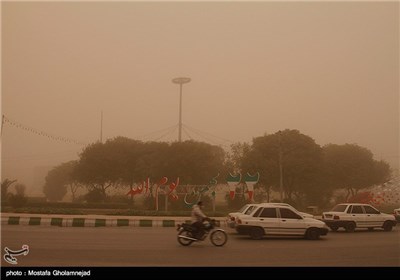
(279, 220)
(357, 215)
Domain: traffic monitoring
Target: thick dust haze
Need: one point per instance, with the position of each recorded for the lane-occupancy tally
(329, 70)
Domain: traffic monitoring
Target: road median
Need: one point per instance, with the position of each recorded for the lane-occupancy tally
(94, 220)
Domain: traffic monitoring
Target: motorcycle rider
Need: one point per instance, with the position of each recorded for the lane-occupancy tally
(197, 219)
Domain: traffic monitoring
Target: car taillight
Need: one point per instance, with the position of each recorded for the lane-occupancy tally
(336, 217)
(239, 221)
(232, 218)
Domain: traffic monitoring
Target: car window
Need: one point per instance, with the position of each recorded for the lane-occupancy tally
(257, 212)
(268, 213)
(288, 214)
(350, 209)
(357, 209)
(249, 210)
(370, 210)
(339, 208)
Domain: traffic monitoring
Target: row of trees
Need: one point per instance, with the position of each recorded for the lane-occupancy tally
(288, 162)
(123, 163)
(292, 163)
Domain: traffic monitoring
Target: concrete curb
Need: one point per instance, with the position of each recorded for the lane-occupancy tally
(82, 221)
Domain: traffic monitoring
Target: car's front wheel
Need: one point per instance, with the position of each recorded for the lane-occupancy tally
(312, 234)
(387, 226)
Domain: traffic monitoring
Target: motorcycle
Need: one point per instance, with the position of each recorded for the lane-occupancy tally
(186, 233)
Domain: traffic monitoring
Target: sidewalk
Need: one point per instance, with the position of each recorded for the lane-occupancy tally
(95, 220)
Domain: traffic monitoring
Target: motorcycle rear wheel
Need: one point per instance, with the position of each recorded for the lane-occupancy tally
(218, 237)
(184, 241)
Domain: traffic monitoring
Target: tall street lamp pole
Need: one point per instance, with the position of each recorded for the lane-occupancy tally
(180, 81)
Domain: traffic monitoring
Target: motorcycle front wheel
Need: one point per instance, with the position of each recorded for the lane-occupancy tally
(218, 237)
(183, 241)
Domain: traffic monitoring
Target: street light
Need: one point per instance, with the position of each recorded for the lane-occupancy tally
(180, 81)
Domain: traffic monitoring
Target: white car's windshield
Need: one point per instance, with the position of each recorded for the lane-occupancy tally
(250, 210)
(243, 208)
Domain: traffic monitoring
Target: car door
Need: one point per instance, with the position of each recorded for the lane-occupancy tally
(358, 216)
(268, 219)
(291, 223)
(373, 217)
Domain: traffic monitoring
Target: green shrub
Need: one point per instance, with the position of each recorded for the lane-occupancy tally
(17, 200)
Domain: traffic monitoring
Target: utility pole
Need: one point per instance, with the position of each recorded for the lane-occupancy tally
(280, 165)
(101, 127)
(2, 123)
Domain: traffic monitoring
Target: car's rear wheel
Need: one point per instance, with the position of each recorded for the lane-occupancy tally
(256, 233)
(387, 226)
(312, 234)
(350, 227)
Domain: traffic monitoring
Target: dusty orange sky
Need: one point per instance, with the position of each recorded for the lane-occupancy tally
(330, 70)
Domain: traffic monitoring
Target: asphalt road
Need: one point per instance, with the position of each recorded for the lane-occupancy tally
(144, 247)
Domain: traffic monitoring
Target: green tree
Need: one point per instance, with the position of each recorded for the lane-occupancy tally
(120, 162)
(97, 168)
(126, 154)
(193, 162)
(4, 189)
(150, 161)
(352, 167)
(123, 162)
(18, 200)
(381, 172)
(58, 180)
(286, 159)
(234, 157)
